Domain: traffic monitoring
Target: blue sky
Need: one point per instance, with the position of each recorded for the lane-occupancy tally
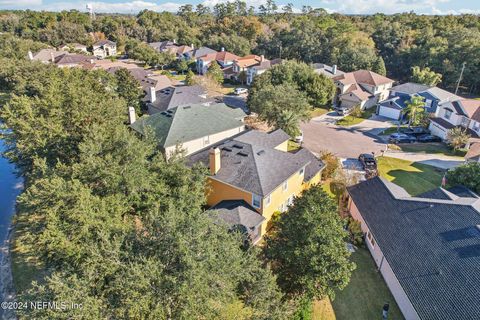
(342, 6)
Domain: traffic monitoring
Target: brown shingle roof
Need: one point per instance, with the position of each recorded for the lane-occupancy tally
(363, 76)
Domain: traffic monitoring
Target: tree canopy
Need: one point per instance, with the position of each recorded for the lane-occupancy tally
(116, 228)
(467, 175)
(307, 249)
(403, 41)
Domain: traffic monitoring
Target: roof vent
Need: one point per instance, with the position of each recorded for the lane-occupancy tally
(261, 152)
(186, 107)
(237, 146)
(163, 112)
(227, 149)
(243, 154)
(170, 111)
(168, 115)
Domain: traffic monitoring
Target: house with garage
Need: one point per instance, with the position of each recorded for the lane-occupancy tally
(224, 58)
(464, 113)
(191, 127)
(162, 98)
(394, 106)
(427, 247)
(104, 48)
(361, 88)
(256, 169)
(47, 55)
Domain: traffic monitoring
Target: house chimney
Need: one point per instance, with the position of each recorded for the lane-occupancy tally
(192, 46)
(30, 55)
(334, 69)
(52, 57)
(152, 95)
(92, 61)
(214, 160)
(262, 58)
(132, 116)
(223, 49)
(174, 41)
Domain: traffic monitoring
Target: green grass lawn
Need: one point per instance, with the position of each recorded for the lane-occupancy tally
(366, 293)
(351, 120)
(436, 148)
(391, 130)
(25, 265)
(415, 178)
(316, 112)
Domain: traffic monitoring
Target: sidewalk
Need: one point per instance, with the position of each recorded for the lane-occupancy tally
(436, 160)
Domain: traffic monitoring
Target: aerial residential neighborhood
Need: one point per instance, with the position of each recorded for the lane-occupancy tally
(229, 161)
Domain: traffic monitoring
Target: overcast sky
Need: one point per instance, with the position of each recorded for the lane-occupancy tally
(342, 6)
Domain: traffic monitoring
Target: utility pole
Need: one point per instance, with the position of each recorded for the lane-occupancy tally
(460, 78)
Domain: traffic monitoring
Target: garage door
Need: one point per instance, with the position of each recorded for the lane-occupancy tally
(389, 113)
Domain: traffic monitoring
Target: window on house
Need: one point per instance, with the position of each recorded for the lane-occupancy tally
(476, 126)
(256, 201)
(285, 186)
(448, 114)
(301, 172)
(370, 239)
(290, 200)
(428, 103)
(268, 200)
(281, 208)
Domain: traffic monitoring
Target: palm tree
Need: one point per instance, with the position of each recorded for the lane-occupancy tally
(414, 105)
(457, 137)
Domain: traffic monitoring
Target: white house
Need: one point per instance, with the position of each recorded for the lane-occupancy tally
(463, 112)
(427, 247)
(260, 68)
(104, 48)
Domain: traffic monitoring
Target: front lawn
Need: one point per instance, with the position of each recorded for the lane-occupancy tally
(323, 310)
(414, 177)
(350, 120)
(365, 295)
(391, 130)
(317, 112)
(436, 148)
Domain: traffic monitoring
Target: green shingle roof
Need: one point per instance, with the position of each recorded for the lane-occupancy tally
(189, 122)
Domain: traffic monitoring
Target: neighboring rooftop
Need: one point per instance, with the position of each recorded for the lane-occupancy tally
(238, 212)
(362, 77)
(410, 88)
(250, 162)
(46, 55)
(102, 43)
(432, 246)
(439, 94)
(473, 153)
(189, 122)
(326, 70)
(199, 52)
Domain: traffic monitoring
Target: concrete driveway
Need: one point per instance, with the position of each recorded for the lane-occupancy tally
(321, 134)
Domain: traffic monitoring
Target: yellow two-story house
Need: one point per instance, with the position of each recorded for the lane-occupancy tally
(252, 175)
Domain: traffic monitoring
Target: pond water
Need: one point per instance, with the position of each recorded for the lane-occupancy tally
(10, 188)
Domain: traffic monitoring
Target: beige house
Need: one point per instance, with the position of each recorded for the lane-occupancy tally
(104, 48)
(363, 88)
(191, 127)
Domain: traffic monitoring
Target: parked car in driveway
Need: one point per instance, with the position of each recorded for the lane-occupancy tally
(401, 138)
(343, 111)
(368, 161)
(239, 91)
(428, 138)
(415, 131)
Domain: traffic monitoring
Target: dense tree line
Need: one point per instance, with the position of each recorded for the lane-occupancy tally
(391, 43)
(117, 229)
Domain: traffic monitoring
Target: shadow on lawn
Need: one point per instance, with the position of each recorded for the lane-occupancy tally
(417, 182)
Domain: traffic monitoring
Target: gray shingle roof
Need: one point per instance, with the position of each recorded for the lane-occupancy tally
(432, 246)
(182, 95)
(197, 53)
(235, 212)
(186, 123)
(254, 165)
(410, 88)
